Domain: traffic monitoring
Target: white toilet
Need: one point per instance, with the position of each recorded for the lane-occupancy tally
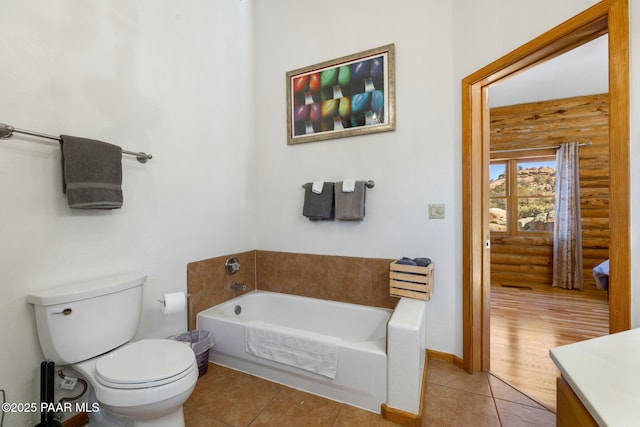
(88, 326)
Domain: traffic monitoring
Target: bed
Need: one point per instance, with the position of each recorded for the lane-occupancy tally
(601, 274)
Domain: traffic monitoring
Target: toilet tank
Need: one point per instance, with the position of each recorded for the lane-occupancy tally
(82, 320)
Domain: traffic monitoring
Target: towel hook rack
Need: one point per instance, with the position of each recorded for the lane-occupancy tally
(369, 184)
(7, 131)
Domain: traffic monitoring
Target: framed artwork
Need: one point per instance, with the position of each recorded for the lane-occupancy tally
(348, 96)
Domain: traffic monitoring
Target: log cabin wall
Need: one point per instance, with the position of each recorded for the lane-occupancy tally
(528, 259)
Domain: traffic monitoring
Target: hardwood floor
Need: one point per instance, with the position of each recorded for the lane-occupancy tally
(527, 321)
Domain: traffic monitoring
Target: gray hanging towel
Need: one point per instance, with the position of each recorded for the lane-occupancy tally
(91, 173)
(318, 206)
(350, 205)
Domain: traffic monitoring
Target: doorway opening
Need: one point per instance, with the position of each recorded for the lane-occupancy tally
(607, 17)
(532, 115)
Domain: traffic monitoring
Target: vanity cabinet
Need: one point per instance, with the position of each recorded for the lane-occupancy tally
(571, 412)
(605, 373)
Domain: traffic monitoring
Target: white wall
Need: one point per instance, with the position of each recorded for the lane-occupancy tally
(579, 72)
(170, 78)
(412, 166)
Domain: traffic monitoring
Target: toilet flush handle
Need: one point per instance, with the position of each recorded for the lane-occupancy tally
(66, 312)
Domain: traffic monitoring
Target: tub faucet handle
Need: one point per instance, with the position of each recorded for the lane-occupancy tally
(232, 265)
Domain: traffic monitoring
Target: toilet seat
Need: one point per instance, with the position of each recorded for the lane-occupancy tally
(146, 363)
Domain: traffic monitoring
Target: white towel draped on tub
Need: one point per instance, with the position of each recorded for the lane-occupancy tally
(294, 347)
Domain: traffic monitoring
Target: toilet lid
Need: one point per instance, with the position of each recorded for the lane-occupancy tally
(146, 363)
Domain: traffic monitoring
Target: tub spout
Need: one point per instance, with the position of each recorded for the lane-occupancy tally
(238, 286)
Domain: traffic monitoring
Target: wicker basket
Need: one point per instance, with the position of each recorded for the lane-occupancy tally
(200, 342)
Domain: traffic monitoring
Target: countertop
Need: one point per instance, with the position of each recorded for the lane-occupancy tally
(605, 374)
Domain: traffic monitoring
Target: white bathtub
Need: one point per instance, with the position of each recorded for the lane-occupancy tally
(361, 377)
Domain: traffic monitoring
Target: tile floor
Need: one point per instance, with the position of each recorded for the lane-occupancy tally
(224, 397)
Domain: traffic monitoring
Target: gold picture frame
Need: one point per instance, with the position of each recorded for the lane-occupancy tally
(348, 96)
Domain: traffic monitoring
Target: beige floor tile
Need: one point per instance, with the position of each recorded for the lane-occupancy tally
(449, 375)
(209, 382)
(446, 406)
(504, 391)
(295, 408)
(224, 397)
(516, 415)
(235, 399)
(350, 416)
(192, 418)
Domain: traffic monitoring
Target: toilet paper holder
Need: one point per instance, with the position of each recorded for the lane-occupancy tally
(189, 308)
(188, 296)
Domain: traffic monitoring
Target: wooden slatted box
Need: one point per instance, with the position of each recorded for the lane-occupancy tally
(411, 281)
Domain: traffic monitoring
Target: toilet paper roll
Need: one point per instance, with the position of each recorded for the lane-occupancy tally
(174, 302)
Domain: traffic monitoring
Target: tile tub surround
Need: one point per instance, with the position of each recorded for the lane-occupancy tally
(208, 281)
(355, 280)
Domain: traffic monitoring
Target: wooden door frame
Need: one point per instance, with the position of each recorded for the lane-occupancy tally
(607, 17)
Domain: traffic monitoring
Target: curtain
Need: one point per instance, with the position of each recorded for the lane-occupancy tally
(567, 241)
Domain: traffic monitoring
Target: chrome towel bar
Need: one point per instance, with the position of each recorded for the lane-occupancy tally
(370, 184)
(7, 131)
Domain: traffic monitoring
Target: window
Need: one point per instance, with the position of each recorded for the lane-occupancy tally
(522, 195)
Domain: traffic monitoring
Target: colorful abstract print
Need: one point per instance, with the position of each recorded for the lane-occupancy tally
(342, 97)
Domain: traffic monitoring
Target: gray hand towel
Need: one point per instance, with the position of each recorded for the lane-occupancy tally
(91, 173)
(318, 206)
(350, 206)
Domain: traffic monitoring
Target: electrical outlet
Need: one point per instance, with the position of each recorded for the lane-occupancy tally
(436, 211)
(68, 383)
